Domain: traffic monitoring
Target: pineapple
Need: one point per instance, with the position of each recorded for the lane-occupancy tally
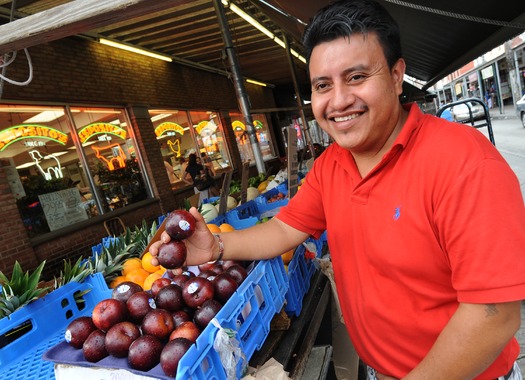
(109, 261)
(76, 272)
(20, 290)
(144, 234)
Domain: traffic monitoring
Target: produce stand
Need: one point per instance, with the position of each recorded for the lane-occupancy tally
(294, 347)
(275, 313)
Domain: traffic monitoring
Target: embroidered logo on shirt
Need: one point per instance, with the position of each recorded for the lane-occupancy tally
(397, 213)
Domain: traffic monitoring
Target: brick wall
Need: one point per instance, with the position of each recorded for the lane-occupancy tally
(76, 70)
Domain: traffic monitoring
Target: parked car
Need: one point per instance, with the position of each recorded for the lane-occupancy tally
(520, 109)
(461, 112)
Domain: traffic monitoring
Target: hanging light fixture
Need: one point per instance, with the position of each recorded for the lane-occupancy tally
(133, 49)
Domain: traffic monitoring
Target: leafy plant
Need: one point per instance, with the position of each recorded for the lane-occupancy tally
(143, 235)
(73, 272)
(21, 289)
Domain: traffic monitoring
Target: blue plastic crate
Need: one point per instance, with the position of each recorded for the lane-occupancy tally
(248, 312)
(262, 200)
(33, 329)
(300, 272)
(243, 216)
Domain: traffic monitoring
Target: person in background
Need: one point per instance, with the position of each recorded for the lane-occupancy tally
(425, 219)
(447, 114)
(193, 170)
(170, 172)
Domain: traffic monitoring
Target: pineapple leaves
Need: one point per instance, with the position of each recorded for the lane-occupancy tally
(21, 289)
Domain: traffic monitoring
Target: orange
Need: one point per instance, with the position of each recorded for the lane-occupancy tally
(150, 279)
(147, 265)
(138, 276)
(214, 229)
(225, 227)
(161, 271)
(117, 281)
(131, 264)
(287, 256)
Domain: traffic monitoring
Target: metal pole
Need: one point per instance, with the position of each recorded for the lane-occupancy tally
(300, 103)
(500, 98)
(242, 96)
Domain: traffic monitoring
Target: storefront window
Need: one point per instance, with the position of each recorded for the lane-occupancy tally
(47, 173)
(177, 140)
(263, 136)
(109, 151)
(210, 139)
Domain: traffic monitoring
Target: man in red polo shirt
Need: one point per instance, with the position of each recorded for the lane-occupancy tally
(425, 219)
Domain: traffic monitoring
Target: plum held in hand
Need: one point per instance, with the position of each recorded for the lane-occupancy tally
(172, 255)
(180, 224)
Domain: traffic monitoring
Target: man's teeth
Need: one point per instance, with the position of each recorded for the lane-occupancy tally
(345, 118)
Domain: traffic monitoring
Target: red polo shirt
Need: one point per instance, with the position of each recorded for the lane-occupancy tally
(440, 220)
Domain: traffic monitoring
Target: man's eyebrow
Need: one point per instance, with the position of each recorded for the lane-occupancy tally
(356, 68)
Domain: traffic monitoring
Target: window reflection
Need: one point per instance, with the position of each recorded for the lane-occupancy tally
(110, 153)
(263, 136)
(177, 140)
(47, 174)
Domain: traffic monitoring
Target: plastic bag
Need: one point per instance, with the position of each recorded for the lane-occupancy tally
(229, 351)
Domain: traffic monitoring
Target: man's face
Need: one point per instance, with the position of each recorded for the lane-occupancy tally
(355, 96)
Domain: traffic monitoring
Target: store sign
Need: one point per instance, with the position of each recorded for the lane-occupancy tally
(487, 72)
(49, 165)
(30, 131)
(258, 124)
(174, 147)
(112, 155)
(206, 128)
(100, 129)
(169, 128)
(238, 126)
(62, 208)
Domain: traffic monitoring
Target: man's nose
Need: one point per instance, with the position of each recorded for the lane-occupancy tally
(342, 96)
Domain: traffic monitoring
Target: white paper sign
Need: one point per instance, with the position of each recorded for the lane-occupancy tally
(62, 208)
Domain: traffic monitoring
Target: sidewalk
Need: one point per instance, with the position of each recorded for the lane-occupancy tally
(507, 112)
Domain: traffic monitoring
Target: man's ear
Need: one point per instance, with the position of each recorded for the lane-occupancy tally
(398, 74)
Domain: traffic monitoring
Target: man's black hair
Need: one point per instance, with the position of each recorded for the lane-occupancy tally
(343, 18)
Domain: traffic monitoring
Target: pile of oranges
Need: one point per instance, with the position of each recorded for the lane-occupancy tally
(143, 273)
(224, 227)
(140, 271)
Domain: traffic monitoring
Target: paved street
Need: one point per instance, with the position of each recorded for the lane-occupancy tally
(509, 135)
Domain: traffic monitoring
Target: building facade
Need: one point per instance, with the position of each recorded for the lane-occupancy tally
(101, 132)
(497, 77)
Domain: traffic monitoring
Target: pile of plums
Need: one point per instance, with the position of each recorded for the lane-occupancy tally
(156, 326)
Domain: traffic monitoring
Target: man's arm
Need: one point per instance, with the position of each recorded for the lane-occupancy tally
(262, 241)
(470, 342)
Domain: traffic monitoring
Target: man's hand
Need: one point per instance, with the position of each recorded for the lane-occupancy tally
(201, 245)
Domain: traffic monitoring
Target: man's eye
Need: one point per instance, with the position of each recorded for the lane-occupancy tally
(320, 87)
(355, 78)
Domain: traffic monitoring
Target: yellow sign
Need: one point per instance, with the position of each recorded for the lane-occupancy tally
(238, 125)
(201, 126)
(167, 127)
(174, 147)
(30, 131)
(100, 128)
